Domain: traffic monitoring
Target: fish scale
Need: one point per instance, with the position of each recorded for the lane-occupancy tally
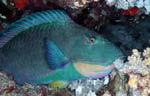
(48, 46)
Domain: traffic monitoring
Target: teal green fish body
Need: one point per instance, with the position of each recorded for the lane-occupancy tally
(48, 46)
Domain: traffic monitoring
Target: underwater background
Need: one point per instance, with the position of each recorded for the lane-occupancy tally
(125, 23)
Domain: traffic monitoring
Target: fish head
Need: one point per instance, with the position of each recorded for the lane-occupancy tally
(92, 48)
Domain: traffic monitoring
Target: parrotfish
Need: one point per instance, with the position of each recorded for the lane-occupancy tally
(49, 47)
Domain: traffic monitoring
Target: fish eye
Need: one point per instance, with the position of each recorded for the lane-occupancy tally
(92, 39)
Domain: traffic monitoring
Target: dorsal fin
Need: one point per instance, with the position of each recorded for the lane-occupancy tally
(32, 20)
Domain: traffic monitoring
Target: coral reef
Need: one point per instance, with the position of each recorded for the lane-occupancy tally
(72, 3)
(111, 18)
(126, 4)
(106, 94)
(138, 83)
(10, 88)
(139, 63)
(138, 70)
(87, 87)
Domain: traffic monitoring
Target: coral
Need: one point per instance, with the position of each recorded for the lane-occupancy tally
(110, 2)
(120, 93)
(122, 4)
(9, 88)
(125, 4)
(135, 58)
(6, 85)
(107, 93)
(72, 3)
(90, 93)
(86, 87)
(139, 83)
(133, 81)
(138, 63)
(138, 69)
(145, 92)
(133, 11)
(146, 55)
(147, 6)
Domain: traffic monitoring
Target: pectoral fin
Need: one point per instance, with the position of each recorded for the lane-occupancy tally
(55, 58)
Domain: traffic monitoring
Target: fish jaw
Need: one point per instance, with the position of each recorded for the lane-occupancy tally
(92, 70)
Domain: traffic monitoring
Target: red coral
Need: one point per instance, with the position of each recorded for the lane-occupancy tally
(20, 4)
(131, 11)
